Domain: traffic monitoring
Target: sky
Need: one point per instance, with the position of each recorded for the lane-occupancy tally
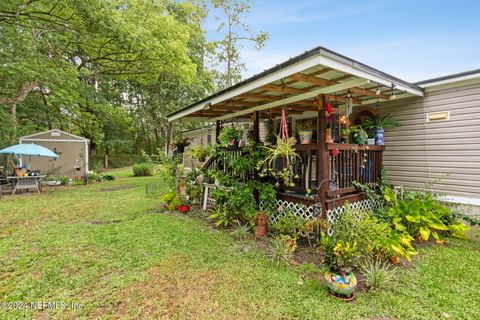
(412, 40)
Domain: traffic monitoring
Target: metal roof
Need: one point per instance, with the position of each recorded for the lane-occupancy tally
(302, 64)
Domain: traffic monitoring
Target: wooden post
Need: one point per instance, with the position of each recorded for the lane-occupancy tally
(256, 126)
(217, 131)
(322, 153)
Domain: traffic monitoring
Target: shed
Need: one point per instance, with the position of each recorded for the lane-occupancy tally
(72, 153)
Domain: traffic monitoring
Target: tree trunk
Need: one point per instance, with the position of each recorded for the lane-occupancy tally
(168, 138)
(106, 157)
(14, 122)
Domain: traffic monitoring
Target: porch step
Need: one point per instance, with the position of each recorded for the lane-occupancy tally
(338, 202)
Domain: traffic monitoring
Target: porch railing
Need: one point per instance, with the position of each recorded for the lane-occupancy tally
(353, 162)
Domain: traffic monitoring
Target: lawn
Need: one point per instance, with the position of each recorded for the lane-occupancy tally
(109, 249)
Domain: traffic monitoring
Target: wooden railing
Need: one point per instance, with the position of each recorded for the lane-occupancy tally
(219, 164)
(353, 162)
(361, 163)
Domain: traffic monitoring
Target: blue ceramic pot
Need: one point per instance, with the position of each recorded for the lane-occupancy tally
(380, 137)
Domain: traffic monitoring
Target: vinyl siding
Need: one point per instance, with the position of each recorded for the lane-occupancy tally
(446, 151)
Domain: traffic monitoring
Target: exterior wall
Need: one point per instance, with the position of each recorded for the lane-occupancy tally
(445, 152)
(70, 154)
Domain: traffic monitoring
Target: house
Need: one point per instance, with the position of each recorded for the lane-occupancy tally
(439, 139)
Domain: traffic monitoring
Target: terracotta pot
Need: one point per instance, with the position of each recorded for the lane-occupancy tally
(261, 224)
(183, 207)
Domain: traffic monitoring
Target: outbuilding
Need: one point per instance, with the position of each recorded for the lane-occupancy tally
(72, 151)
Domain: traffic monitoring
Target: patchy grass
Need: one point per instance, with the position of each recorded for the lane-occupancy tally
(109, 247)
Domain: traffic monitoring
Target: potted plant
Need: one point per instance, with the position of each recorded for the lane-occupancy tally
(284, 150)
(305, 132)
(230, 136)
(184, 206)
(359, 136)
(345, 132)
(200, 153)
(378, 125)
(261, 224)
(342, 257)
(182, 143)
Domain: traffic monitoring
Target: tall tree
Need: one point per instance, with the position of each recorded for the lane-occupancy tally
(237, 32)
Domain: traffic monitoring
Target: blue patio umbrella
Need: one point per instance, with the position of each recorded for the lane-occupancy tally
(29, 149)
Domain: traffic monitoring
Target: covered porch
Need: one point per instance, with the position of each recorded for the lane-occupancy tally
(324, 88)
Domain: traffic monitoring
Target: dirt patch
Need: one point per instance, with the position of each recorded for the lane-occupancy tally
(116, 188)
(175, 289)
(114, 221)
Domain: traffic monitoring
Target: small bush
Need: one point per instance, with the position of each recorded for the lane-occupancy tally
(280, 251)
(109, 177)
(63, 180)
(172, 200)
(378, 274)
(94, 177)
(241, 232)
(143, 169)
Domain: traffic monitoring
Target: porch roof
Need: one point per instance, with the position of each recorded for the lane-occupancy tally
(295, 83)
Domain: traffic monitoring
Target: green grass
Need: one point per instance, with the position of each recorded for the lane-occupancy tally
(109, 247)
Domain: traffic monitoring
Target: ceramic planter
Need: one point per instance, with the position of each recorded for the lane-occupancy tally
(343, 285)
(261, 224)
(380, 137)
(305, 136)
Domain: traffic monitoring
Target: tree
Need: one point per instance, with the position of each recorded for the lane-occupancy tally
(236, 33)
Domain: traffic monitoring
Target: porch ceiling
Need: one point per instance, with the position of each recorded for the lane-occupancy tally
(295, 84)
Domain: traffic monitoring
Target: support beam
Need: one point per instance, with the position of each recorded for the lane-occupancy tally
(322, 153)
(339, 87)
(281, 89)
(365, 92)
(217, 131)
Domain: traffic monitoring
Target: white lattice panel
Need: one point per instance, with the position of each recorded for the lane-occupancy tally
(360, 207)
(297, 209)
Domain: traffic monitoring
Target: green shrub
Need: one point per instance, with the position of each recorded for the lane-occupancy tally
(241, 232)
(420, 215)
(94, 177)
(172, 200)
(63, 180)
(143, 169)
(288, 224)
(280, 251)
(108, 177)
(374, 238)
(378, 274)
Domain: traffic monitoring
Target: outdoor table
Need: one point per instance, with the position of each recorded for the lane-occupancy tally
(25, 183)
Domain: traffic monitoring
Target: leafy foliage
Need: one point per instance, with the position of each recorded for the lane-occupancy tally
(378, 274)
(280, 251)
(143, 169)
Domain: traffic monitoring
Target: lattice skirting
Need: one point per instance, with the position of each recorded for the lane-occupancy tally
(361, 207)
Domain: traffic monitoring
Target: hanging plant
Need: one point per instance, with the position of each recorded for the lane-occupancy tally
(285, 151)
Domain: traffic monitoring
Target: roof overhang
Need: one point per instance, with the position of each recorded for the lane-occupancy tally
(295, 83)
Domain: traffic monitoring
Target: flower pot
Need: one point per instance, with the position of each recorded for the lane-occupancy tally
(371, 141)
(346, 139)
(233, 144)
(360, 137)
(261, 224)
(183, 208)
(328, 136)
(305, 136)
(380, 137)
(343, 285)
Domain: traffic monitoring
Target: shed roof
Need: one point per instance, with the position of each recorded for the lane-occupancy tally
(39, 134)
(296, 82)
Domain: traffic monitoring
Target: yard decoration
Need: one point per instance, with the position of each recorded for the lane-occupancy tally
(342, 256)
(305, 132)
(261, 224)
